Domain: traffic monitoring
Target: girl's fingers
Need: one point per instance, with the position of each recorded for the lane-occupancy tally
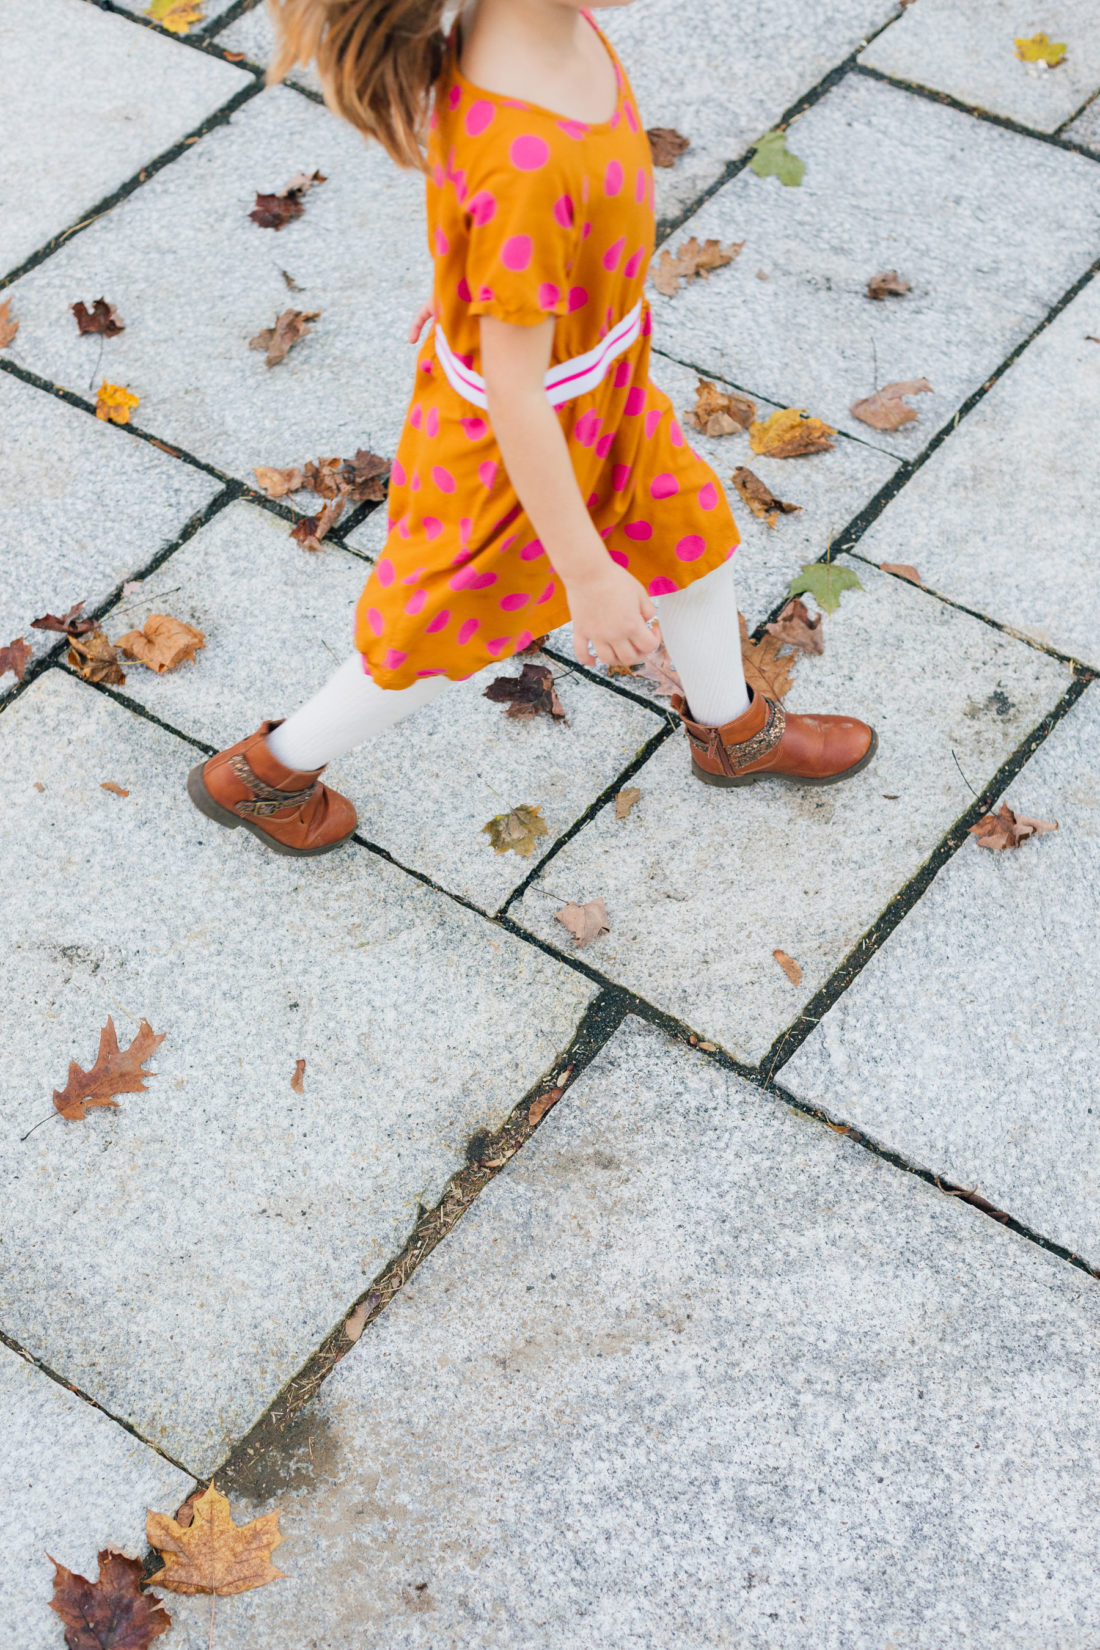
(581, 647)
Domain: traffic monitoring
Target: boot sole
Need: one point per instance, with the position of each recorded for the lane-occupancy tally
(728, 782)
(205, 803)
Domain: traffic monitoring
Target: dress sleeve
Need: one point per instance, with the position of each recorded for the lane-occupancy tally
(522, 237)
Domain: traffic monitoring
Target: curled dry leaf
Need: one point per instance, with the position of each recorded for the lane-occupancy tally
(278, 483)
(297, 1082)
(772, 159)
(212, 1554)
(101, 318)
(162, 643)
(887, 285)
(1006, 829)
(8, 327)
(115, 790)
(312, 529)
(516, 831)
(1041, 49)
(112, 1612)
(789, 967)
(626, 800)
(356, 1321)
(289, 329)
(116, 1071)
(790, 432)
(14, 657)
(666, 144)
(276, 211)
(177, 16)
(767, 671)
(825, 582)
(692, 260)
(534, 646)
(70, 623)
(719, 412)
(903, 569)
(885, 410)
(323, 478)
(585, 922)
(542, 1103)
(795, 627)
(364, 476)
(760, 498)
(93, 658)
(115, 402)
(530, 694)
(658, 668)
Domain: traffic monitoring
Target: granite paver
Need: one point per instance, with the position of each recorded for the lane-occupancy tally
(74, 1481)
(728, 1381)
(254, 35)
(989, 226)
(1002, 518)
(179, 1258)
(212, 13)
(967, 48)
(1086, 128)
(968, 1043)
(702, 885)
(117, 96)
(85, 506)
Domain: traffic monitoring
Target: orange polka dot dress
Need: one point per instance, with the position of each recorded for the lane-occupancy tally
(531, 215)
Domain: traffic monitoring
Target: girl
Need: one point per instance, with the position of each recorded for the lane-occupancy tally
(540, 476)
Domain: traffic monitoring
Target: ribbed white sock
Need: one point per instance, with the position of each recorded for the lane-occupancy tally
(700, 629)
(348, 709)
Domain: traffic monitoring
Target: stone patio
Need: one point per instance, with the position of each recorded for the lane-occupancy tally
(695, 1367)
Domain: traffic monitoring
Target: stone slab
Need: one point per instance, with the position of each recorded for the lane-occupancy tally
(1002, 518)
(1086, 128)
(277, 619)
(989, 226)
(117, 97)
(967, 48)
(74, 1482)
(85, 507)
(212, 11)
(694, 1372)
(180, 1257)
(969, 1041)
(702, 885)
(194, 279)
(254, 35)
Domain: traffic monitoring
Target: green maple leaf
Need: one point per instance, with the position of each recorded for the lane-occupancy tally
(824, 581)
(772, 159)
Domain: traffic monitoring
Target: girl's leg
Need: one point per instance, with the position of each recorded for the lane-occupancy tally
(350, 708)
(702, 633)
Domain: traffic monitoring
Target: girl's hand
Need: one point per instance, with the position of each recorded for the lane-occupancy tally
(610, 611)
(423, 315)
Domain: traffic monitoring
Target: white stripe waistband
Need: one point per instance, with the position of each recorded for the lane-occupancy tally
(563, 381)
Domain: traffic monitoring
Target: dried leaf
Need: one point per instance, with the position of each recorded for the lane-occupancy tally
(116, 1071)
(719, 412)
(888, 284)
(772, 159)
(297, 1082)
(1041, 49)
(885, 410)
(311, 529)
(323, 478)
(277, 483)
(1006, 829)
(530, 694)
(903, 569)
(276, 211)
(789, 967)
(760, 498)
(795, 627)
(789, 433)
(14, 657)
(766, 671)
(585, 922)
(658, 667)
(824, 581)
(70, 623)
(516, 830)
(542, 1103)
(692, 260)
(93, 658)
(534, 646)
(115, 790)
(666, 144)
(626, 800)
(102, 318)
(8, 327)
(289, 329)
(176, 16)
(162, 643)
(115, 402)
(110, 1613)
(356, 1321)
(291, 282)
(364, 476)
(214, 1555)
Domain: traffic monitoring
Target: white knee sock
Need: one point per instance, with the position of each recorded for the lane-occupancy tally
(700, 629)
(348, 709)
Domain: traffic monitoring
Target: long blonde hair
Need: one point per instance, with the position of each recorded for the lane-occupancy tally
(378, 61)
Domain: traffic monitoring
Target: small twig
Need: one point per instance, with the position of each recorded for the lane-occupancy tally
(145, 600)
(99, 363)
(335, 655)
(965, 780)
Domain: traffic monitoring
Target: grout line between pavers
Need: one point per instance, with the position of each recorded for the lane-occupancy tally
(201, 39)
(1076, 115)
(231, 14)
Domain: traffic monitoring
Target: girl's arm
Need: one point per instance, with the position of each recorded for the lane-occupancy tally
(608, 607)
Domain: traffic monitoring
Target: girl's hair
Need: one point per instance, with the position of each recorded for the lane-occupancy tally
(378, 61)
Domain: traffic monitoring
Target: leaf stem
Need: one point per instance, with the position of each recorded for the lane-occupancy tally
(965, 780)
(38, 1125)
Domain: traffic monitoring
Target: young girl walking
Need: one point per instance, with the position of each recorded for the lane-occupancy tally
(540, 476)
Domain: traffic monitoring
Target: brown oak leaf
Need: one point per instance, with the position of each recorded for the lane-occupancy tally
(903, 569)
(70, 623)
(277, 483)
(1006, 829)
(116, 1071)
(212, 1554)
(14, 657)
(885, 410)
(364, 476)
(312, 529)
(658, 668)
(719, 412)
(289, 329)
(93, 658)
(162, 643)
(585, 922)
(8, 326)
(760, 498)
(276, 211)
(790, 432)
(692, 260)
(888, 284)
(516, 830)
(529, 694)
(626, 800)
(795, 627)
(767, 671)
(297, 1082)
(102, 318)
(110, 1613)
(789, 967)
(666, 144)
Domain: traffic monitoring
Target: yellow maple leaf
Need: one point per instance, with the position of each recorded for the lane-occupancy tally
(789, 432)
(176, 16)
(114, 402)
(1041, 49)
(212, 1554)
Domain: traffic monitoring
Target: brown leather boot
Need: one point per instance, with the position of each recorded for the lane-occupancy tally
(291, 813)
(768, 743)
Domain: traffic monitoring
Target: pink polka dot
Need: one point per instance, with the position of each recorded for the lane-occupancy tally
(454, 97)
(729, 552)
(587, 428)
(532, 551)
(481, 206)
(478, 116)
(384, 572)
(547, 593)
(431, 423)
(573, 128)
(622, 374)
(437, 672)
(465, 631)
(611, 257)
(416, 601)
(652, 419)
(578, 297)
(506, 520)
(675, 434)
(506, 544)
(586, 231)
(487, 472)
(442, 244)
(639, 186)
(513, 603)
(425, 366)
(549, 295)
(465, 523)
(375, 620)
(440, 622)
(524, 639)
(647, 323)
(635, 401)
(664, 485)
(432, 527)
(393, 659)
(620, 556)
(613, 178)
(563, 211)
(484, 296)
(443, 479)
(516, 252)
(634, 263)
(470, 579)
(631, 117)
(416, 415)
(397, 473)
(463, 290)
(662, 587)
(414, 484)
(404, 526)
(691, 547)
(592, 502)
(529, 153)
(439, 176)
(603, 445)
(411, 578)
(474, 428)
(708, 496)
(620, 475)
(498, 644)
(638, 530)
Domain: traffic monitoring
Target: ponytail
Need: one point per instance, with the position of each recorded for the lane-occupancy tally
(378, 61)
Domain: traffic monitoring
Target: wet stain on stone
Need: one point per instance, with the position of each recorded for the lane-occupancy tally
(301, 1455)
